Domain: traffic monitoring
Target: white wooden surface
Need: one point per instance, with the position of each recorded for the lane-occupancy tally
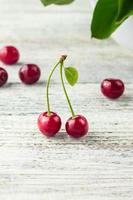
(99, 166)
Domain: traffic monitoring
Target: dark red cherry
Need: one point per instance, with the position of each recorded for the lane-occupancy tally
(77, 127)
(9, 55)
(49, 125)
(29, 73)
(3, 76)
(112, 88)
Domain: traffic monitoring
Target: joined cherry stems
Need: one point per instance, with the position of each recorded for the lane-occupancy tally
(61, 63)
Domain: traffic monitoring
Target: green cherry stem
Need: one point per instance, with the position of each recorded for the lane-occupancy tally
(47, 87)
(64, 89)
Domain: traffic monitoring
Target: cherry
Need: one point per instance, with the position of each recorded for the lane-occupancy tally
(112, 88)
(9, 55)
(3, 76)
(77, 127)
(29, 73)
(49, 125)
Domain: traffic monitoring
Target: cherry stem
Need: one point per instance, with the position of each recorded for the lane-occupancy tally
(63, 85)
(48, 84)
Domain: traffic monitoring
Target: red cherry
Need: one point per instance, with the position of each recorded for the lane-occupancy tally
(3, 76)
(49, 125)
(9, 55)
(112, 88)
(29, 73)
(77, 127)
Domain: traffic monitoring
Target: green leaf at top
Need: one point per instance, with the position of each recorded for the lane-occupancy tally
(71, 75)
(58, 2)
(109, 15)
(125, 9)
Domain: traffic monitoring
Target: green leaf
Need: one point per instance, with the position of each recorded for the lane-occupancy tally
(125, 9)
(71, 75)
(58, 2)
(109, 15)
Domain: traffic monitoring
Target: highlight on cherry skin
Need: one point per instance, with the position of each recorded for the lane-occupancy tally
(9, 55)
(3, 76)
(112, 88)
(49, 124)
(29, 73)
(77, 127)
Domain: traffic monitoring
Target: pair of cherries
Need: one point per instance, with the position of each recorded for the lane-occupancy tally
(28, 73)
(49, 123)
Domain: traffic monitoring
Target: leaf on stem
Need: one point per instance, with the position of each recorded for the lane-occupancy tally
(71, 74)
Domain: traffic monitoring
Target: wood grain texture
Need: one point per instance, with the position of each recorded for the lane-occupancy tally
(97, 167)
